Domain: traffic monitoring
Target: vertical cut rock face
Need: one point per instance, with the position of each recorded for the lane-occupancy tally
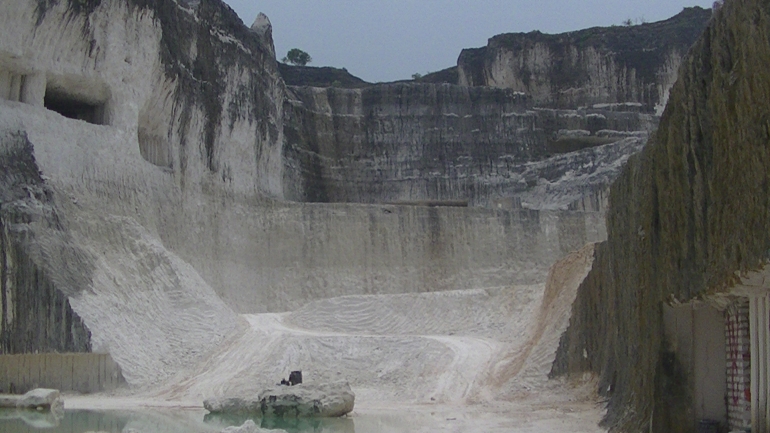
(686, 214)
(35, 311)
(440, 142)
(534, 98)
(623, 64)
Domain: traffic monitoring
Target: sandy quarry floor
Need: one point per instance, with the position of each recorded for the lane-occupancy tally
(463, 361)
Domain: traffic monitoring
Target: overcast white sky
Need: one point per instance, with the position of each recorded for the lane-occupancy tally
(388, 40)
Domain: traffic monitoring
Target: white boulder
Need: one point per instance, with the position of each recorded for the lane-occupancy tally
(308, 400)
(41, 399)
(302, 400)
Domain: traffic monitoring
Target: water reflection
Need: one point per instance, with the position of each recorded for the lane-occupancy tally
(291, 425)
(156, 421)
(28, 421)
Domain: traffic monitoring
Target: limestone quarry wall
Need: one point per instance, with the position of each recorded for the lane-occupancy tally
(186, 78)
(68, 372)
(278, 257)
(158, 267)
(152, 133)
(125, 111)
(687, 213)
(622, 64)
(264, 255)
(408, 142)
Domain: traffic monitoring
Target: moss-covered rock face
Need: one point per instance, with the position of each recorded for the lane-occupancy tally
(687, 213)
(597, 65)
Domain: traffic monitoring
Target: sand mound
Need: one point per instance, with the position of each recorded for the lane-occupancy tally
(145, 306)
(452, 347)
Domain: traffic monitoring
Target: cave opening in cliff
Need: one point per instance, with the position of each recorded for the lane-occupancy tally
(73, 107)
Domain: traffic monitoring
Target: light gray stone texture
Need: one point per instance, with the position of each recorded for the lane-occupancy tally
(41, 398)
(308, 400)
(232, 405)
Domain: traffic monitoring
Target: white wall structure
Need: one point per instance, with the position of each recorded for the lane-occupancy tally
(755, 286)
(696, 333)
(738, 365)
(759, 318)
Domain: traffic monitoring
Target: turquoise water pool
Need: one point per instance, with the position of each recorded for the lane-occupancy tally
(153, 421)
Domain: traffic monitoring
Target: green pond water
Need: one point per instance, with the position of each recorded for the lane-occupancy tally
(186, 421)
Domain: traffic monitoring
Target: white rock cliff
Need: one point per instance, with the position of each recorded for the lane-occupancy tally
(146, 174)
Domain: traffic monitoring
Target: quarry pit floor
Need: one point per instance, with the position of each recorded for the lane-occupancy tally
(456, 361)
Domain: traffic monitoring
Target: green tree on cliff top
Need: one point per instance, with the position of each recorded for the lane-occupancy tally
(297, 57)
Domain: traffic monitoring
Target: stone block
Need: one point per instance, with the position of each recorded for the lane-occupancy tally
(41, 398)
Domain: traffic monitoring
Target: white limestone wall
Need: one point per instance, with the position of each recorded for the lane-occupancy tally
(178, 246)
(114, 57)
(144, 304)
(606, 80)
(264, 255)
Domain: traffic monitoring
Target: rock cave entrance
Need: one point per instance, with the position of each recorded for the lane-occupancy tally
(77, 97)
(73, 107)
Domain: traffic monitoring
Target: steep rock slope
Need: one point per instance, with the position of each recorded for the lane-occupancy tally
(686, 214)
(599, 65)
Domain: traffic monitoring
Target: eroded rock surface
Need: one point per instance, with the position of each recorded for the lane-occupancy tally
(39, 265)
(438, 142)
(620, 64)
